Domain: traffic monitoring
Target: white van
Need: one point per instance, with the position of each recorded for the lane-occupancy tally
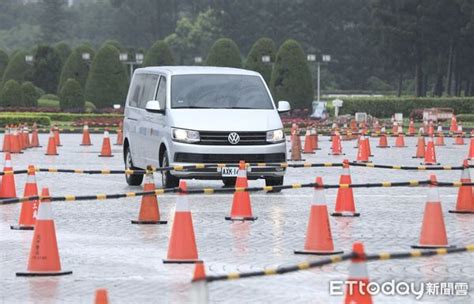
(182, 115)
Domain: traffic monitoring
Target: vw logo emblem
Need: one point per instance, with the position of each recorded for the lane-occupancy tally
(233, 138)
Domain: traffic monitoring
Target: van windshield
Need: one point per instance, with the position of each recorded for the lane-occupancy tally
(219, 92)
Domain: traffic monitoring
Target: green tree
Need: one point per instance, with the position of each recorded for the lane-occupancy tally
(71, 97)
(76, 67)
(46, 68)
(291, 77)
(64, 50)
(193, 37)
(262, 47)
(3, 62)
(53, 20)
(114, 43)
(30, 94)
(17, 68)
(225, 53)
(107, 82)
(158, 54)
(11, 94)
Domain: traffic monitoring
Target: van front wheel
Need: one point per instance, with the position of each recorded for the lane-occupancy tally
(132, 179)
(167, 179)
(274, 181)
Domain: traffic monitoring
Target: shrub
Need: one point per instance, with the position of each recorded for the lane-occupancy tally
(50, 97)
(30, 94)
(107, 82)
(11, 94)
(71, 98)
(89, 107)
(386, 107)
(46, 68)
(17, 69)
(224, 53)
(291, 78)
(465, 117)
(75, 67)
(158, 54)
(19, 118)
(262, 47)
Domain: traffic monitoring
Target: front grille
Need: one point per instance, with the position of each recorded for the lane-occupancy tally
(229, 158)
(221, 138)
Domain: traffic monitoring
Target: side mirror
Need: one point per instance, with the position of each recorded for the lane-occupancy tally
(283, 106)
(154, 106)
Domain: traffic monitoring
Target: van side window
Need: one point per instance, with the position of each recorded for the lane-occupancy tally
(148, 91)
(136, 90)
(161, 94)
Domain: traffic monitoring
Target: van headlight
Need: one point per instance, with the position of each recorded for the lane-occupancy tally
(183, 135)
(275, 136)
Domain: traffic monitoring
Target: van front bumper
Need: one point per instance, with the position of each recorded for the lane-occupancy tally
(192, 154)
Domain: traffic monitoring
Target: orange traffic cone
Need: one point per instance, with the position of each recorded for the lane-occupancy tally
(433, 231)
(15, 145)
(363, 153)
(400, 141)
(241, 207)
(106, 150)
(420, 147)
(383, 143)
(459, 140)
(318, 234)
(26, 134)
(411, 128)
(51, 149)
(315, 139)
(454, 124)
(358, 292)
(44, 255)
(7, 187)
(182, 246)
(28, 208)
(119, 140)
(34, 137)
(101, 296)
(308, 144)
(22, 137)
(430, 153)
(295, 146)
(345, 205)
(336, 147)
(440, 139)
(86, 137)
(6, 140)
(149, 210)
(199, 292)
(471, 149)
(57, 138)
(465, 200)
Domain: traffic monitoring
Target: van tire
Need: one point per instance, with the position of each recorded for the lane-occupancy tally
(132, 179)
(167, 179)
(229, 182)
(274, 181)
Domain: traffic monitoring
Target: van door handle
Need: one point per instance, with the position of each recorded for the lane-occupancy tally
(134, 119)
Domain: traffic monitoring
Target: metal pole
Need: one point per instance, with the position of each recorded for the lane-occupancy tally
(131, 71)
(319, 75)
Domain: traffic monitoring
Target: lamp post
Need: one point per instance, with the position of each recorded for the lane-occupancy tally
(137, 61)
(266, 59)
(197, 60)
(325, 59)
(29, 59)
(86, 57)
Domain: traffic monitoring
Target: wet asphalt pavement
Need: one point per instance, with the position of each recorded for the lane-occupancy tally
(97, 241)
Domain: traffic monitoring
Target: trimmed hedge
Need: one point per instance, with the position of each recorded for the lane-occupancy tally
(71, 97)
(386, 107)
(465, 117)
(64, 117)
(15, 118)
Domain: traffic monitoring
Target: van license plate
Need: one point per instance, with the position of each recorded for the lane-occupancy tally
(230, 171)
